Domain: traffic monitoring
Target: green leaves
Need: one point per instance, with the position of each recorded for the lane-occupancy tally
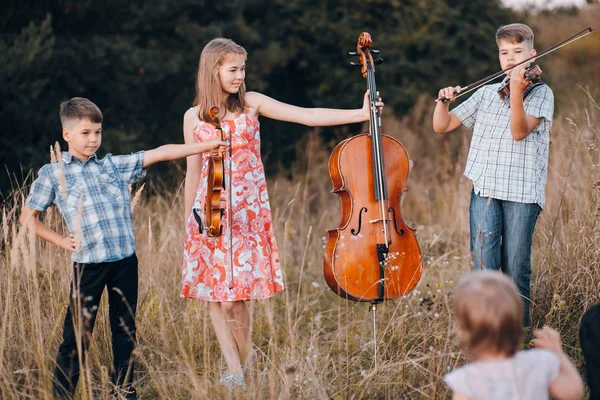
(138, 62)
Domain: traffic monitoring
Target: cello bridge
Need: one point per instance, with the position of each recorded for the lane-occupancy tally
(372, 221)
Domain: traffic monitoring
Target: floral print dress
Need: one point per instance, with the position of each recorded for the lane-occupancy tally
(207, 271)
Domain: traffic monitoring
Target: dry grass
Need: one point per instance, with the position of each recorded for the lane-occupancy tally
(311, 343)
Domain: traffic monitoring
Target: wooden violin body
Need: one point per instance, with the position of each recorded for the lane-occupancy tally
(216, 183)
(532, 76)
(351, 264)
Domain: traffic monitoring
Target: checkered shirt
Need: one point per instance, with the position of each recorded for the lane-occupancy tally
(499, 166)
(96, 205)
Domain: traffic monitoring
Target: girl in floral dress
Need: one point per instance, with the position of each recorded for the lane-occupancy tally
(256, 273)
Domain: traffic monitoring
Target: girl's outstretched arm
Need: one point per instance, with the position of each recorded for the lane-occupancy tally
(271, 108)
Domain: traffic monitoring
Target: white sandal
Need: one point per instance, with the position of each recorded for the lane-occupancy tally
(232, 380)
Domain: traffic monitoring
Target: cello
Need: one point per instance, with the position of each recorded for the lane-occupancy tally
(372, 255)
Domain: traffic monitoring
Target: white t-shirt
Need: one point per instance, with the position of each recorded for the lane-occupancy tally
(525, 376)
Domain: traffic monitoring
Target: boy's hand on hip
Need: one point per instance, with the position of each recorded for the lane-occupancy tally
(70, 243)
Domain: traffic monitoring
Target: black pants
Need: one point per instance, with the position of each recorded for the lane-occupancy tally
(589, 337)
(121, 279)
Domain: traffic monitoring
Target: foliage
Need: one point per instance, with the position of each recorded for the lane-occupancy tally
(138, 60)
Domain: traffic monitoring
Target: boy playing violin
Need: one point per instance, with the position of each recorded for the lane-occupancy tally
(507, 161)
(92, 194)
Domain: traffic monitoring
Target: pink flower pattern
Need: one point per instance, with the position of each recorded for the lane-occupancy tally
(207, 272)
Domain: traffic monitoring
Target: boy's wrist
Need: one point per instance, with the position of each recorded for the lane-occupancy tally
(516, 98)
(516, 90)
(203, 146)
(443, 105)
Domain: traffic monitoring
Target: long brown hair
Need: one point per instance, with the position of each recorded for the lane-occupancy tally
(208, 87)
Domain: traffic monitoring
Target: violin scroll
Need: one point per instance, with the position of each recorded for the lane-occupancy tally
(213, 114)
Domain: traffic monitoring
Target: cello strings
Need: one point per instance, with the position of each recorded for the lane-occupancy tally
(379, 163)
(376, 137)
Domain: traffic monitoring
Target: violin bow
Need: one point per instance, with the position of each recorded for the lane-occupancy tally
(230, 206)
(481, 82)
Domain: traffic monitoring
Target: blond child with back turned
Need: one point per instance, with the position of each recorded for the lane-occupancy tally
(489, 317)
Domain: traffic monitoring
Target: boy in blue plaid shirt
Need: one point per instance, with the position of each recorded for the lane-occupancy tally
(92, 194)
(508, 159)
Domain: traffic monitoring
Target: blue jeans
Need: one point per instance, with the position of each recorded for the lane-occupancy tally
(501, 236)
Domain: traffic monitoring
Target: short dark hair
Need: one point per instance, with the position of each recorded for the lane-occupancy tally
(489, 314)
(515, 33)
(79, 108)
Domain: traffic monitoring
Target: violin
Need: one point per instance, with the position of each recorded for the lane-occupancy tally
(216, 182)
(372, 255)
(532, 76)
(487, 79)
(213, 210)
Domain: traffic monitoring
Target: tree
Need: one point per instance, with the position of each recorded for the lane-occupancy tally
(138, 61)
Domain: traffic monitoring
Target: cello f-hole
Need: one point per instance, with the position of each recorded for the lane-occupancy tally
(354, 231)
(400, 231)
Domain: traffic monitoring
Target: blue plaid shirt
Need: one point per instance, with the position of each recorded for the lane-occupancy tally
(94, 200)
(499, 166)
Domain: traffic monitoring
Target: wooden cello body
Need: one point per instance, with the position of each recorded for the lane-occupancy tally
(372, 255)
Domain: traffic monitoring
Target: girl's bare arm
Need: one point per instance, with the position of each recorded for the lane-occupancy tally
(271, 108)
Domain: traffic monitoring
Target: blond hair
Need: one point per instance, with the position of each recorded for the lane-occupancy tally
(515, 33)
(208, 87)
(79, 108)
(489, 314)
